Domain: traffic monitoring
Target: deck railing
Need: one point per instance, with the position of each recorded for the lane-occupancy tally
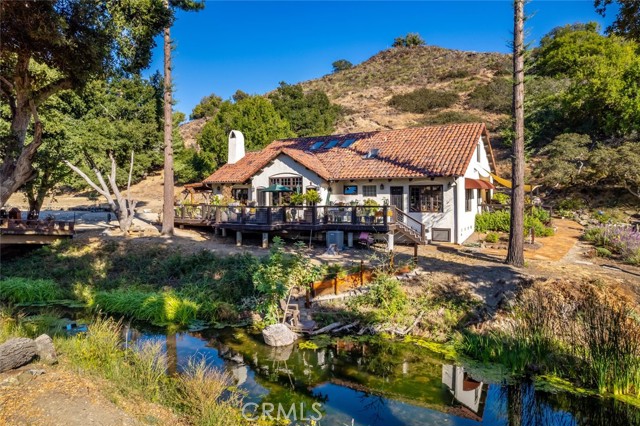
(40, 226)
(277, 215)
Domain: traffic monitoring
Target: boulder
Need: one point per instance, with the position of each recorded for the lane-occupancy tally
(278, 335)
(46, 351)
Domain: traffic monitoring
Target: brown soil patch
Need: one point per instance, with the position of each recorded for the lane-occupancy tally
(60, 397)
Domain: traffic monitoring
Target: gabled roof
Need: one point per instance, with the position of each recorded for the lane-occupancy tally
(408, 153)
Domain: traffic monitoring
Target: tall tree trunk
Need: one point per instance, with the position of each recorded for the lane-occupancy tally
(167, 208)
(515, 255)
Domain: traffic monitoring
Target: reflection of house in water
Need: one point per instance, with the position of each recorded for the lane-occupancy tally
(466, 391)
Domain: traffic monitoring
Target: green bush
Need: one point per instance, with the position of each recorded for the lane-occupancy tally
(492, 237)
(500, 221)
(423, 100)
(26, 290)
(385, 294)
(495, 96)
(571, 204)
(502, 198)
(456, 73)
(603, 252)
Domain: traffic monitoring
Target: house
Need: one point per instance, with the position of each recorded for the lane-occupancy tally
(433, 178)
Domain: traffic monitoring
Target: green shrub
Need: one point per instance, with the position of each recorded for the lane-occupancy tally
(500, 221)
(386, 294)
(603, 252)
(495, 96)
(26, 290)
(595, 235)
(423, 100)
(502, 198)
(492, 237)
(570, 204)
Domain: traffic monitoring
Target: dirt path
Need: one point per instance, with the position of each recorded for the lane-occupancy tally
(60, 397)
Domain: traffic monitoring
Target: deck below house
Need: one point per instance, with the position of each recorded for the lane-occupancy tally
(265, 219)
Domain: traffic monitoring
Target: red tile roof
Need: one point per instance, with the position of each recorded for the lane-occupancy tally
(418, 152)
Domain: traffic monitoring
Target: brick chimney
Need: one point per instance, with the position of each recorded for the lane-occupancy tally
(236, 146)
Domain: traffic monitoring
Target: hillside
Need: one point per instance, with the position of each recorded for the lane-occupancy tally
(365, 89)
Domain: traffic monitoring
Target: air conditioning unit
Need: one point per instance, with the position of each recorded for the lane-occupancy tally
(335, 237)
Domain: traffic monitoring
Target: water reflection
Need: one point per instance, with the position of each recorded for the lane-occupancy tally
(382, 384)
(468, 392)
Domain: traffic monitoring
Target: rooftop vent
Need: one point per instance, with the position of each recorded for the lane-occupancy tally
(347, 143)
(373, 153)
(331, 144)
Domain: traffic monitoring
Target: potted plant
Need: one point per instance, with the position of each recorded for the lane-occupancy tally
(370, 210)
(297, 199)
(312, 197)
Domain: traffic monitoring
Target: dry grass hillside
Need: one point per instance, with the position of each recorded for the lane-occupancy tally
(365, 90)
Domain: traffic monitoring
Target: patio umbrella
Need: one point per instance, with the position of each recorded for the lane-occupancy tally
(277, 188)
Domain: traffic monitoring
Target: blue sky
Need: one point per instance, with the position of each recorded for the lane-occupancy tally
(253, 46)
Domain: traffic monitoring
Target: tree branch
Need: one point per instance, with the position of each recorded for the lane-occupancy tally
(129, 181)
(84, 176)
(51, 89)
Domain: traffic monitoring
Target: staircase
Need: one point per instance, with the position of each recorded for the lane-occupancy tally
(409, 227)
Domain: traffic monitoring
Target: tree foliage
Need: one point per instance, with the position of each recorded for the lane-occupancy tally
(207, 107)
(51, 46)
(255, 116)
(496, 96)
(565, 161)
(410, 40)
(310, 114)
(627, 22)
(341, 65)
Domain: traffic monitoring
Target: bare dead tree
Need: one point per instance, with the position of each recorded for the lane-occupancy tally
(124, 208)
(515, 255)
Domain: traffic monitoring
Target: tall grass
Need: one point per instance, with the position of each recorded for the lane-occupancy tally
(25, 291)
(203, 394)
(160, 308)
(583, 334)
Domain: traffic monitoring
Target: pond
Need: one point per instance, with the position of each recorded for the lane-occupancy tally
(377, 383)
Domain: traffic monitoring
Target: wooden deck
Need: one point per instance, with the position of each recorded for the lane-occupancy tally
(298, 218)
(18, 231)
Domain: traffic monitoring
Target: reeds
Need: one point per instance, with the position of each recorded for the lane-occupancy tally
(589, 337)
(19, 290)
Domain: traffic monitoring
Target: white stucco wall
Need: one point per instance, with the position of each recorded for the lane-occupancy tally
(284, 166)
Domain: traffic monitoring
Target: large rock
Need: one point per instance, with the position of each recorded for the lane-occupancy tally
(278, 335)
(46, 351)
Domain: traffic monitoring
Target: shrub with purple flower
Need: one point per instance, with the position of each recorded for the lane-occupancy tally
(620, 239)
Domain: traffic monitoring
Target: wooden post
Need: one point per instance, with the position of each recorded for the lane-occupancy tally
(183, 211)
(354, 215)
(335, 285)
(238, 238)
(361, 272)
(385, 218)
(314, 215)
(265, 240)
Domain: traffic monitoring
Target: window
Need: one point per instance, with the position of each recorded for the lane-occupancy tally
(240, 194)
(347, 143)
(331, 144)
(426, 198)
(369, 190)
(350, 190)
(468, 199)
(291, 182)
(316, 145)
